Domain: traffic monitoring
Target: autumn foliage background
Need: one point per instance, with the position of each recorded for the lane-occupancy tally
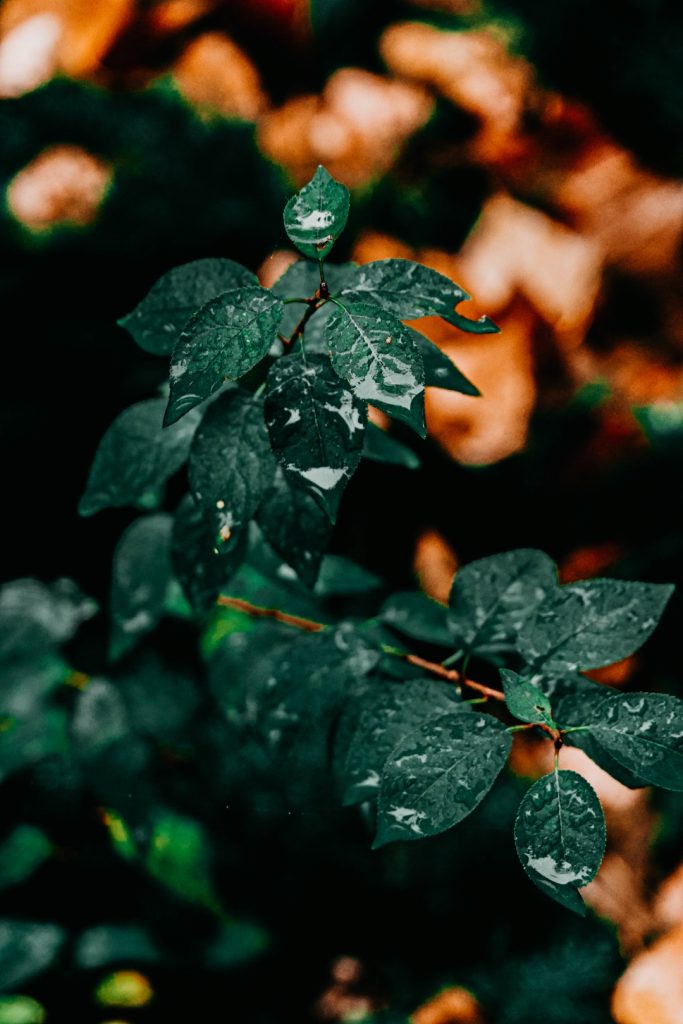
(533, 152)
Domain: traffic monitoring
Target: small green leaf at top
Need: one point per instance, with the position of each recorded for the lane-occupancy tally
(316, 426)
(136, 457)
(225, 339)
(592, 623)
(410, 290)
(316, 216)
(524, 700)
(377, 355)
(438, 773)
(560, 836)
(158, 320)
(643, 732)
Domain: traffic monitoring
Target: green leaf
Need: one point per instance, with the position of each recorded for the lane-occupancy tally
(27, 948)
(376, 353)
(295, 526)
(108, 944)
(36, 617)
(643, 732)
(24, 850)
(231, 464)
(380, 446)
(160, 701)
(415, 615)
(27, 681)
(301, 281)
(21, 1010)
(440, 371)
(381, 717)
(237, 943)
(100, 719)
(590, 746)
(136, 457)
(492, 598)
(179, 858)
(24, 743)
(201, 569)
(222, 341)
(438, 774)
(340, 577)
(592, 623)
(316, 427)
(141, 577)
(316, 216)
(410, 290)
(158, 320)
(525, 700)
(560, 835)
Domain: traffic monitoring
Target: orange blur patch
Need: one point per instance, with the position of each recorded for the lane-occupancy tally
(63, 185)
(452, 1006)
(435, 564)
(213, 72)
(651, 989)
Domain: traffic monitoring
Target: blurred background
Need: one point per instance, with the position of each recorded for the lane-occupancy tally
(534, 153)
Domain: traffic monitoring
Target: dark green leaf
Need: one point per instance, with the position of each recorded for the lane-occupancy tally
(643, 732)
(200, 568)
(382, 717)
(27, 948)
(36, 617)
(108, 944)
(438, 774)
(592, 623)
(141, 577)
(415, 615)
(136, 457)
(179, 857)
(316, 216)
(340, 577)
(24, 850)
(316, 427)
(560, 835)
(231, 464)
(380, 446)
(586, 741)
(160, 700)
(222, 341)
(27, 681)
(25, 742)
(410, 290)
(493, 597)
(158, 320)
(301, 281)
(376, 353)
(237, 943)
(295, 526)
(100, 719)
(525, 700)
(440, 371)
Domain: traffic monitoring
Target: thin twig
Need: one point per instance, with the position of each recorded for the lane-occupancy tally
(308, 625)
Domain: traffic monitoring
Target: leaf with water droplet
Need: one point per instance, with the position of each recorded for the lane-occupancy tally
(381, 446)
(136, 457)
(201, 569)
(231, 465)
(376, 353)
(438, 773)
(158, 320)
(301, 280)
(492, 598)
(593, 623)
(525, 700)
(316, 427)
(415, 615)
(378, 720)
(316, 216)
(641, 731)
(560, 835)
(295, 526)
(222, 341)
(141, 577)
(410, 290)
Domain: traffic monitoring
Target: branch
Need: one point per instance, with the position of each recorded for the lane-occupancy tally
(308, 625)
(454, 676)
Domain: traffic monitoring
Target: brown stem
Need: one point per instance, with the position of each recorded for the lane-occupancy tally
(454, 676)
(270, 613)
(313, 305)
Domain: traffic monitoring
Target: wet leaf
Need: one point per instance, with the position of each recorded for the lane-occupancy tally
(141, 577)
(295, 526)
(27, 948)
(440, 371)
(222, 341)
(415, 615)
(201, 569)
(301, 281)
(158, 320)
(560, 835)
(316, 216)
(231, 464)
(376, 353)
(492, 598)
(438, 774)
(380, 446)
(525, 700)
(136, 457)
(316, 427)
(21, 853)
(340, 576)
(643, 732)
(410, 290)
(36, 617)
(592, 623)
(108, 944)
